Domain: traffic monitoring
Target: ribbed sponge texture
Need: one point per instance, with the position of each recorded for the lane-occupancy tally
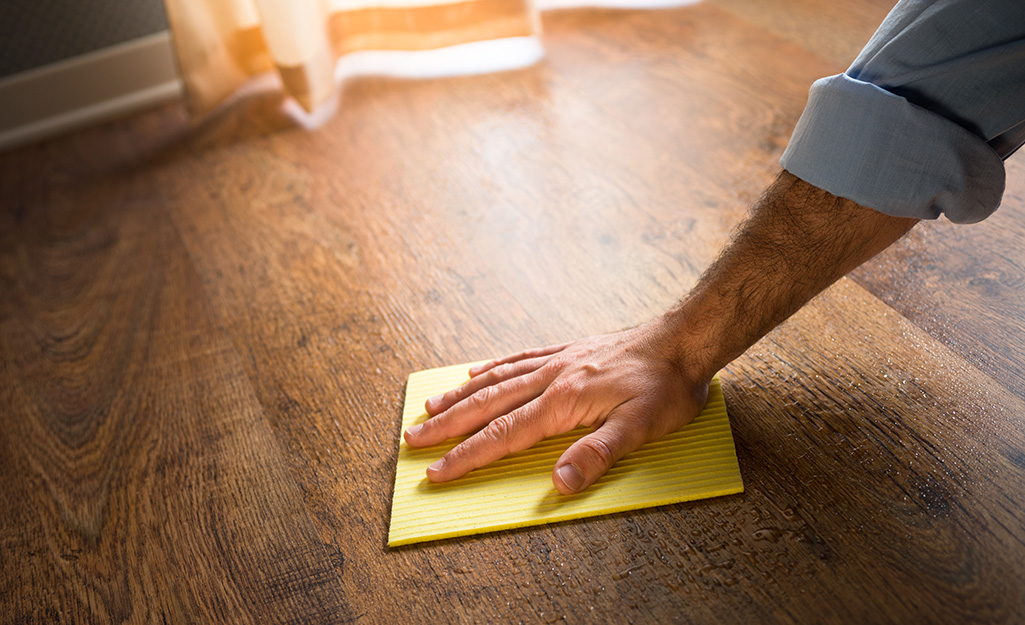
(695, 462)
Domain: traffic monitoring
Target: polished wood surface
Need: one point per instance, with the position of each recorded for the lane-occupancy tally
(206, 331)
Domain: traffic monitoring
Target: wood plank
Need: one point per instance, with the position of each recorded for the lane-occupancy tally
(835, 30)
(141, 481)
(263, 291)
(963, 284)
(469, 217)
(461, 221)
(893, 460)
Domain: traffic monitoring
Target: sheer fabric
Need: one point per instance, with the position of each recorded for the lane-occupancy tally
(220, 44)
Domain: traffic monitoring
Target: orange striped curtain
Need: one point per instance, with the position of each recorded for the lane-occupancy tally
(222, 43)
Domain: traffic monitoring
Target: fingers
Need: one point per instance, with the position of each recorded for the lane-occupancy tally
(508, 434)
(477, 410)
(593, 455)
(440, 403)
(537, 352)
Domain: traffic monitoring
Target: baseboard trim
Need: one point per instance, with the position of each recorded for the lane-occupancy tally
(87, 89)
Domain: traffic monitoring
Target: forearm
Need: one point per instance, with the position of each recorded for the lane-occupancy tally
(797, 241)
(636, 385)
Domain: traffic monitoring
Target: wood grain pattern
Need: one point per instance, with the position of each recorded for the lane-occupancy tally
(206, 332)
(964, 285)
(833, 29)
(141, 482)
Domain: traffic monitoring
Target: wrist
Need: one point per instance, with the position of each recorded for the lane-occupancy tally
(693, 351)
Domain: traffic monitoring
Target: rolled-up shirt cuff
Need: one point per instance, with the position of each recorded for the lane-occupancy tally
(863, 143)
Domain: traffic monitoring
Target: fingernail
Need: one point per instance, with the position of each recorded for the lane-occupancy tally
(434, 401)
(437, 465)
(571, 477)
(413, 430)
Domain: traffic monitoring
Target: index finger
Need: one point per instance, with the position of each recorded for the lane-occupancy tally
(508, 434)
(494, 376)
(536, 352)
(477, 410)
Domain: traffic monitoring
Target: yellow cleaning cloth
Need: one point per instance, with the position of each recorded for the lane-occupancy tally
(695, 462)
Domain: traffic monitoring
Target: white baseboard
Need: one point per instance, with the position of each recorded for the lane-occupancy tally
(87, 89)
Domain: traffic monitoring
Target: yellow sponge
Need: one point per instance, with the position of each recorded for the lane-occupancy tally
(694, 462)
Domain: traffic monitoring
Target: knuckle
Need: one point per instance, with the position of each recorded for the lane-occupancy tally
(500, 430)
(597, 452)
(564, 387)
(454, 395)
(501, 372)
(564, 401)
(482, 399)
(450, 397)
(426, 427)
(436, 428)
(456, 454)
(557, 363)
(495, 375)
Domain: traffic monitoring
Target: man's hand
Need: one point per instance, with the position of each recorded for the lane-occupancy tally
(636, 385)
(631, 387)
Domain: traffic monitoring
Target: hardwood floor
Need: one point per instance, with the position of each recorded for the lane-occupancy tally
(206, 331)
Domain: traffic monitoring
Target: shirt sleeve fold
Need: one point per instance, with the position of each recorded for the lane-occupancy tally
(866, 144)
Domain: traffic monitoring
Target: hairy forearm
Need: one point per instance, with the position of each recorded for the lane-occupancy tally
(797, 241)
(636, 385)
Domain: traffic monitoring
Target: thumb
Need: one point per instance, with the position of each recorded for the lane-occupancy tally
(590, 457)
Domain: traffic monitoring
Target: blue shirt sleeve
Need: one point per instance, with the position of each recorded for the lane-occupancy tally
(920, 123)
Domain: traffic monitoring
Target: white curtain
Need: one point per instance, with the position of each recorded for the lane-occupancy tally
(222, 43)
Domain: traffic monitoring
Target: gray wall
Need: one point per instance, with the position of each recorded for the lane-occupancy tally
(34, 33)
